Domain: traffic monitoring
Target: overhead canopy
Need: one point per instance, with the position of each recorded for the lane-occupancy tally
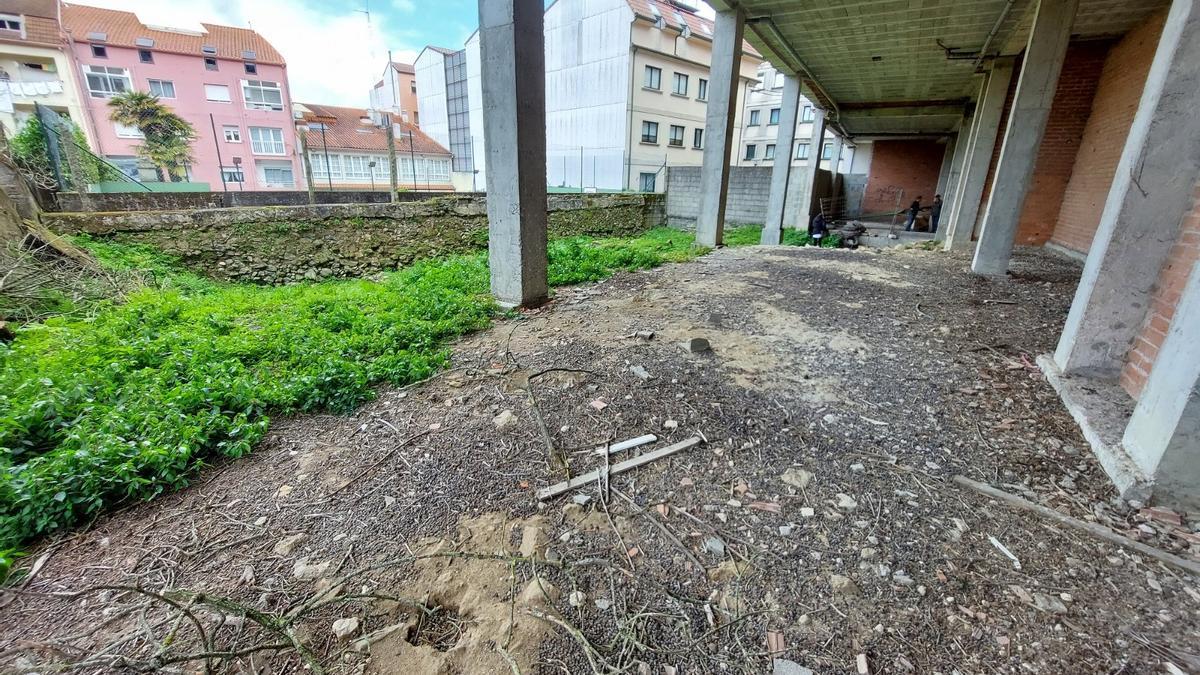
(905, 67)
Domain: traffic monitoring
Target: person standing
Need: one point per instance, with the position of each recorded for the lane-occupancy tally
(913, 210)
(935, 212)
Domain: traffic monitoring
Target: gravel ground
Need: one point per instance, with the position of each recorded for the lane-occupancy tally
(814, 526)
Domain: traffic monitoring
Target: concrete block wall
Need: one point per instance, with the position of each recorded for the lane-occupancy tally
(749, 188)
(910, 167)
(1167, 292)
(1113, 106)
(1057, 153)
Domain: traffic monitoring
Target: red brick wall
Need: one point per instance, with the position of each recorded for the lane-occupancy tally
(1060, 142)
(1113, 107)
(911, 166)
(1167, 292)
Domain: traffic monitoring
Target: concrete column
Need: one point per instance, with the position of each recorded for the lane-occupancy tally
(1151, 191)
(723, 79)
(958, 156)
(804, 209)
(514, 121)
(984, 131)
(947, 161)
(1042, 63)
(1163, 435)
(785, 147)
(835, 154)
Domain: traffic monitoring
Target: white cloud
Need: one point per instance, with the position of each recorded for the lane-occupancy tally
(704, 10)
(332, 56)
(406, 6)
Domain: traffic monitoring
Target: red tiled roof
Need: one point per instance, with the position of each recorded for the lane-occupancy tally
(345, 130)
(123, 28)
(698, 25)
(39, 30)
(403, 67)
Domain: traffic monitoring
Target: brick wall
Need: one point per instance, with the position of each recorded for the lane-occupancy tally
(1073, 97)
(1167, 291)
(909, 166)
(1113, 107)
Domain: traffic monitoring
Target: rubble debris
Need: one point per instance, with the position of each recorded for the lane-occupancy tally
(1007, 553)
(786, 667)
(697, 345)
(344, 628)
(616, 469)
(843, 586)
(627, 444)
(797, 478)
(504, 419)
(639, 372)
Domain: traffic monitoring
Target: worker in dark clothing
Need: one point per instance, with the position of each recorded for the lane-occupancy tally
(935, 212)
(913, 210)
(817, 229)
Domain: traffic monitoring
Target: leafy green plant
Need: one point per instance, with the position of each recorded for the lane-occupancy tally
(167, 137)
(28, 149)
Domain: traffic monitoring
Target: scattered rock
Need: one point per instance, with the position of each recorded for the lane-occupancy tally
(845, 502)
(577, 598)
(581, 499)
(602, 604)
(807, 512)
(289, 543)
(858, 467)
(538, 593)
(639, 372)
(786, 667)
(868, 554)
(697, 345)
(670, 424)
(344, 628)
(303, 570)
(714, 545)
(389, 501)
(728, 570)
(797, 478)
(901, 577)
(843, 586)
(1049, 603)
(504, 419)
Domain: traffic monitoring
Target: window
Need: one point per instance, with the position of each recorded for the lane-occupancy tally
(653, 79)
(826, 151)
(145, 56)
(210, 63)
(751, 151)
(754, 115)
(676, 138)
(217, 92)
(774, 117)
(100, 51)
(162, 88)
(251, 68)
(266, 141)
(126, 131)
(646, 182)
(702, 90)
(280, 175)
(356, 167)
(769, 151)
(412, 86)
(650, 132)
(807, 115)
(103, 81)
(262, 95)
(10, 22)
(233, 174)
(232, 134)
(801, 151)
(778, 81)
(680, 84)
(698, 139)
(333, 163)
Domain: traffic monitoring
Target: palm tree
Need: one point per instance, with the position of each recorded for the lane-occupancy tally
(168, 137)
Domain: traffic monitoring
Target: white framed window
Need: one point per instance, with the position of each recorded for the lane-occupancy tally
(356, 167)
(769, 151)
(126, 131)
(646, 181)
(217, 93)
(679, 84)
(262, 95)
(439, 170)
(12, 22)
(326, 166)
(277, 175)
(698, 139)
(751, 151)
(801, 151)
(702, 90)
(233, 174)
(162, 88)
(232, 134)
(675, 140)
(649, 132)
(754, 115)
(652, 78)
(266, 141)
(105, 81)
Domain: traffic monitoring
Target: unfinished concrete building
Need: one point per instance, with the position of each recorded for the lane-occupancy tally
(1065, 123)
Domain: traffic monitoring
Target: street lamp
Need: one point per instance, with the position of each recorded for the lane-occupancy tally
(371, 172)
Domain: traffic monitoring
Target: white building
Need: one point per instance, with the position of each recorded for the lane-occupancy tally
(626, 94)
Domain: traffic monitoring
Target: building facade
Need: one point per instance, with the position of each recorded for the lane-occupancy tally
(760, 126)
(626, 94)
(348, 149)
(396, 92)
(229, 83)
(34, 66)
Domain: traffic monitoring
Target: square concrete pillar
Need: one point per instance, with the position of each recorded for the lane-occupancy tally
(1151, 191)
(1044, 55)
(781, 170)
(957, 147)
(986, 128)
(1163, 435)
(724, 73)
(514, 122)
(947, 162)
(805, 208)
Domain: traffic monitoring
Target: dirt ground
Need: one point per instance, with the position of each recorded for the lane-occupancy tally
(814, 526)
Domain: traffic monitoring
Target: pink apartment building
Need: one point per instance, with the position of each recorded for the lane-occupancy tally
(226, 80)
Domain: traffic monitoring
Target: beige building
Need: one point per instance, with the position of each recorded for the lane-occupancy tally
(34, 66)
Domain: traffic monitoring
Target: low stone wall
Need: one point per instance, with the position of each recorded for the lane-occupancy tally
(168, 201)
(280, 244)
(746, 203)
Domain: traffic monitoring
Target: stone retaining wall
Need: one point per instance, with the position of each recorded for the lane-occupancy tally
(167, 201)
(280, 244)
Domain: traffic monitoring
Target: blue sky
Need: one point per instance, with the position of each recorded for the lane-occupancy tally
(333, 55)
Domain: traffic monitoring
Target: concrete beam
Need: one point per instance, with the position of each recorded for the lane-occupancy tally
(785, 146)
(1043, 61)
(718, 125)
(1163, 435)
(986, 127)
(1150, 193)
(514, 96)
(804, 209)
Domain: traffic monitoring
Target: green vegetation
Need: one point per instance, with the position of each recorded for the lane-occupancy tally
(166, 137)
(28, 149)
